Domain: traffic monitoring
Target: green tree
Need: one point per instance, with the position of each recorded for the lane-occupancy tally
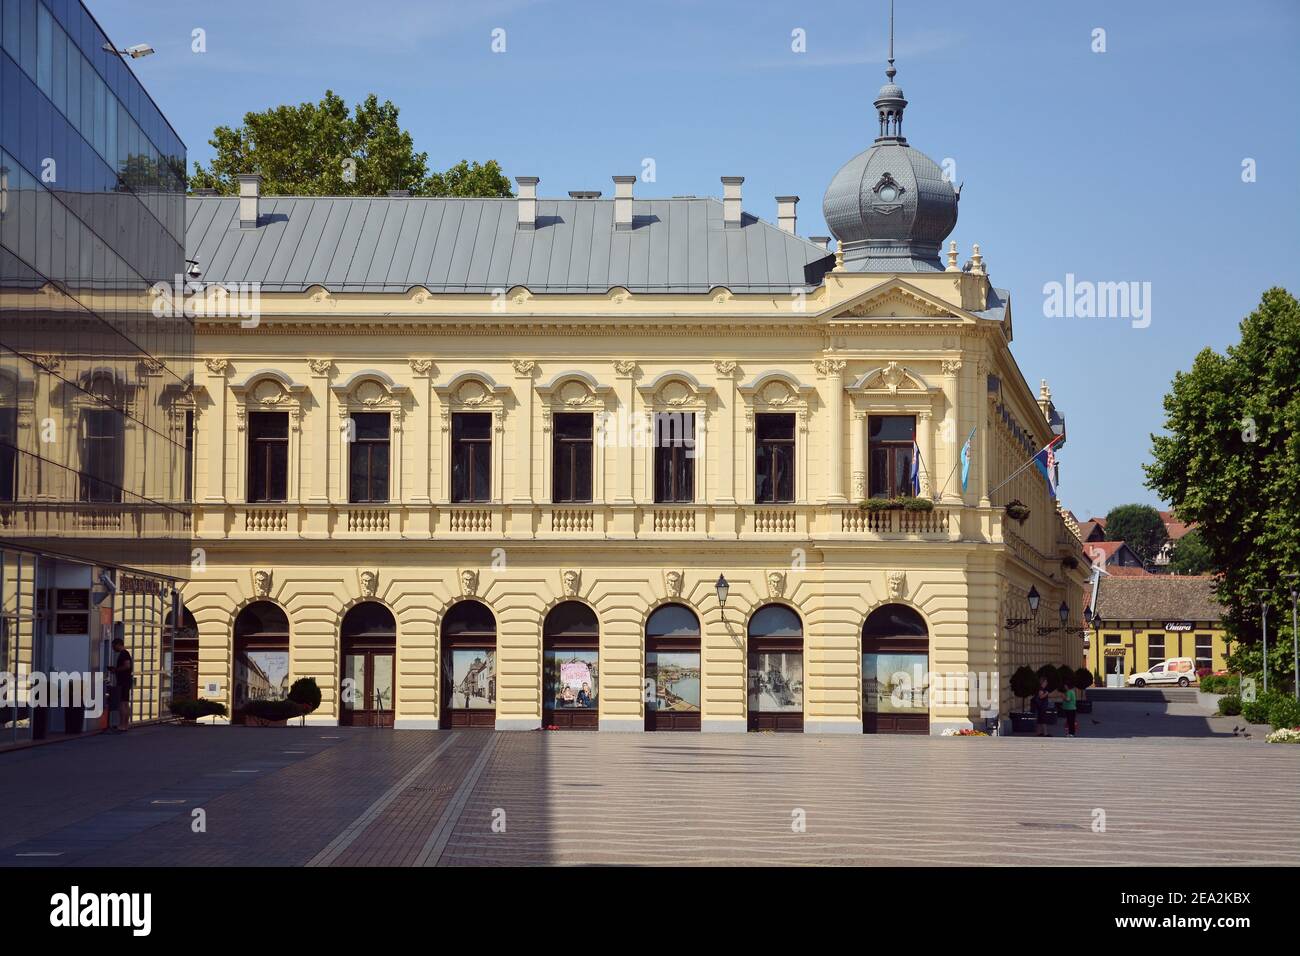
(1140, 527)
(1191, 555)
(322, 149)
(1230, 463)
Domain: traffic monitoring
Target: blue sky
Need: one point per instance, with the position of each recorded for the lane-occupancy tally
(1117, 166)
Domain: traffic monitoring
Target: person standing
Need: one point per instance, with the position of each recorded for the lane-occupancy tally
(123, 671)
(1042, 703)
(1070, 708)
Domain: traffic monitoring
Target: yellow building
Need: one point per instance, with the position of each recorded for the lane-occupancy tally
(1146, 619)
(483, 462)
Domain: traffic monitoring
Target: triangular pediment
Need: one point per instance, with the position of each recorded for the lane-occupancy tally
(897, 299)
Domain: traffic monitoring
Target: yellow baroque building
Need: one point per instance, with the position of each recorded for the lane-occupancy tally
(489, 462)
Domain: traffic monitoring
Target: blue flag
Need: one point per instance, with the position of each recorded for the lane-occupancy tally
(1046, 462)
(916, 469)
(965, 460)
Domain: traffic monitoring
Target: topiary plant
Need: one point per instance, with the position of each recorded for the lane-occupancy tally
(191, 710)
(274, 710)
(1083, 678)
(1063, 673)
(1053, 677)
(305, 693)
(1024, 684)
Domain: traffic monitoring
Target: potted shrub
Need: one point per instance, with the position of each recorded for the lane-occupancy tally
(190, 711)
(269, 713)
(1017, 510)
(1083, 680)
(1024, 684)
(306, 694)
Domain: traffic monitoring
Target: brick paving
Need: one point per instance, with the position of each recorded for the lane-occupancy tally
(366, 797)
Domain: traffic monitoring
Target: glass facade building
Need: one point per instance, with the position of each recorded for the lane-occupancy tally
(96, 364)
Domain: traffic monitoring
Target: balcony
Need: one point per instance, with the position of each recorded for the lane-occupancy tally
(596, 521)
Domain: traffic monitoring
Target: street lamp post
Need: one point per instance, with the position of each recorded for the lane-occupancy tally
(722, 588)
(1295, 638)
(1263, 607)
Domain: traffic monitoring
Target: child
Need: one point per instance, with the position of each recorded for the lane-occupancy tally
(1070, 708)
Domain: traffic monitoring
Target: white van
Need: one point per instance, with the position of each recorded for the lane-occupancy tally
(1176, 670)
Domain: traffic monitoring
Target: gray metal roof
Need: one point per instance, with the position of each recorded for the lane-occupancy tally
(349, 244)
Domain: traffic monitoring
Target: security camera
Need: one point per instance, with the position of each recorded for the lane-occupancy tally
(193, 270)
(106, 579)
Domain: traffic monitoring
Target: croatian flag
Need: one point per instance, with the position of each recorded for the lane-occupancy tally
(916, 469)
(1046, 462)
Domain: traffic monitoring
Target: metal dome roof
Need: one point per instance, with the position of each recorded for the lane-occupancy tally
(891, 201)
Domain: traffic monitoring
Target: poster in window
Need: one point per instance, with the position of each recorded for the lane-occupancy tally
(571, 679)
(894, 683)
(776, 681)
(474, 678)
(676, 676)
(261, 675)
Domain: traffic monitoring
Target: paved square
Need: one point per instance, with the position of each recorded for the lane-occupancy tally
(364, 797)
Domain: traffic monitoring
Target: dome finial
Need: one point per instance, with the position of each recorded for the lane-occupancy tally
(889, 101)
(891, 72)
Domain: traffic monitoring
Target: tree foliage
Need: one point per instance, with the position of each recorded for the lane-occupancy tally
(1140, 527)
(1191, 555)
(1230, 462)
(322, 149)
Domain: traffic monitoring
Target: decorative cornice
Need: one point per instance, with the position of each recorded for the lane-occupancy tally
(322, 367)
(422, 367)
(830, 366)
(524, 368)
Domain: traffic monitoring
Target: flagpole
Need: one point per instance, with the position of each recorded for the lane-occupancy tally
(1031, 460)
(956, 464)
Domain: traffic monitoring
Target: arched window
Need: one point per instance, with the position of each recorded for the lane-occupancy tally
(261, 669)
(672, 669)
(368, 639)
(469, 666)
(185, 657)
(895, 671)
(775, 658)
(571, 667)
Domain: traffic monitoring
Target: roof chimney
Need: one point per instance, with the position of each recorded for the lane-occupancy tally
(250, 188)
(823, 241)
(785, 212)
(731, 200)
(527, 202)
(623, 201)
